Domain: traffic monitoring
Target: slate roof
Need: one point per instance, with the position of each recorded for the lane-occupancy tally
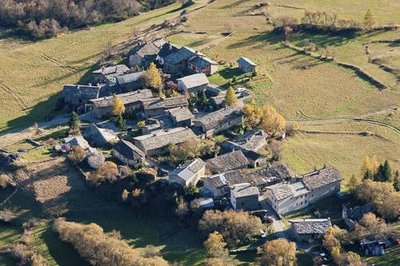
(77, 90)
(246, 61)
(252, 140)
(193, 81)
(149, 49)
(321, 177)
(127, 98)
(128, 150)
(202, 62)
(168, 103)
(222, 116)
(281, 191)
(167, 49)
(181, 114)
(225, 179)
(161, 139)
(184, 53)
(311, 226)
(188, 170)
(112, 70)
(229, 161)
(244, 190)
(77, 141)
(108, 135)
(130, 77)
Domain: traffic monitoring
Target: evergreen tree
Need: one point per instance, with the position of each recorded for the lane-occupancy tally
(368, 175)
(120, 122)
(230, 97)
(384, 173)
(74, 124)
(202, 99)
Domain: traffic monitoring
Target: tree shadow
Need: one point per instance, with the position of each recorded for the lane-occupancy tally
(228, 73)
(257, 39)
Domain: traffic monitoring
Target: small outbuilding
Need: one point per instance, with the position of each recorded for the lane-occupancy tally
(246, 65)
(188, 173)
(310, 229)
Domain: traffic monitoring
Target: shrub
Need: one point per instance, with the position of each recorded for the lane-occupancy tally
(77, 154)
(108, 172)
(236, 227)
(102, 249)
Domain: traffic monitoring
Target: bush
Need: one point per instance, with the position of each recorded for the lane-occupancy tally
(103, 249)
(108, 172)
(237, 228)
(77, 154)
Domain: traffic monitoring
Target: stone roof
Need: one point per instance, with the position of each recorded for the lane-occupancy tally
(180, 114)
(311, 226)
(252, 140)
(112, 70)
(107, 134)
(188, 170)
(167, 103)
(161, 139)
(167, 49)
(77, 141)
(244, 190)
(195, 80)
(202, 62)
(128, 150)
(246, 61)
(130, 77)
(229, 161)
(184, 53)
(321, 177)
(78, 90)
(127, 98)
(281, 191)
(149, 49)
(222, 116)
(225, 179)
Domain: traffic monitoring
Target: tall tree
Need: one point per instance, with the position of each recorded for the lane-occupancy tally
(153, 78)
(74, 124)
(369, 20)
(271, 121)
(279, 252)
(118, 107)
(230, 97)
(369, 167)
(252, 115)
(396, 181)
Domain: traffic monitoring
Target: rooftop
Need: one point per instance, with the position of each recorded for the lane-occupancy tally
(311, 226)
(229, 161)
(127, 98)
(244, 190)
(321, 177)
(184, 53)
(194, 80)
(167, 103)
(189, 169)
(212, 120)
(130, 77)
(245, 60)
(128, 150)
(181, 113)
(161, 138)
(225, 179)
(112, 70)
(202, 61)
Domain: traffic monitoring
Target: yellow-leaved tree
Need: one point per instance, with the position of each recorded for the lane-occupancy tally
(230, 97)
(271, 121)
(369, 167)
(118, 107)
(252, 115)
(153, 78)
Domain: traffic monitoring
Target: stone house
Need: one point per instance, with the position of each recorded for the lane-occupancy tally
(100, 137)
(177, 62)
(181, 117)
(220, 120)
(308, 230)
(78, 95)
(145, 53)
(203, 64)
(130, 82)
(301, 192)
(230, 161)
(105, 74)
(246, 65)
(157, 142)
(188, 173)
(132, 100)
(151, 124)
(166, 49)
(244, 197)
(128, 153)
(193, 83)
(218, 185)
(158, 106)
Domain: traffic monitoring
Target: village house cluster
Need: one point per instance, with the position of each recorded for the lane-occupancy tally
(238, 177)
